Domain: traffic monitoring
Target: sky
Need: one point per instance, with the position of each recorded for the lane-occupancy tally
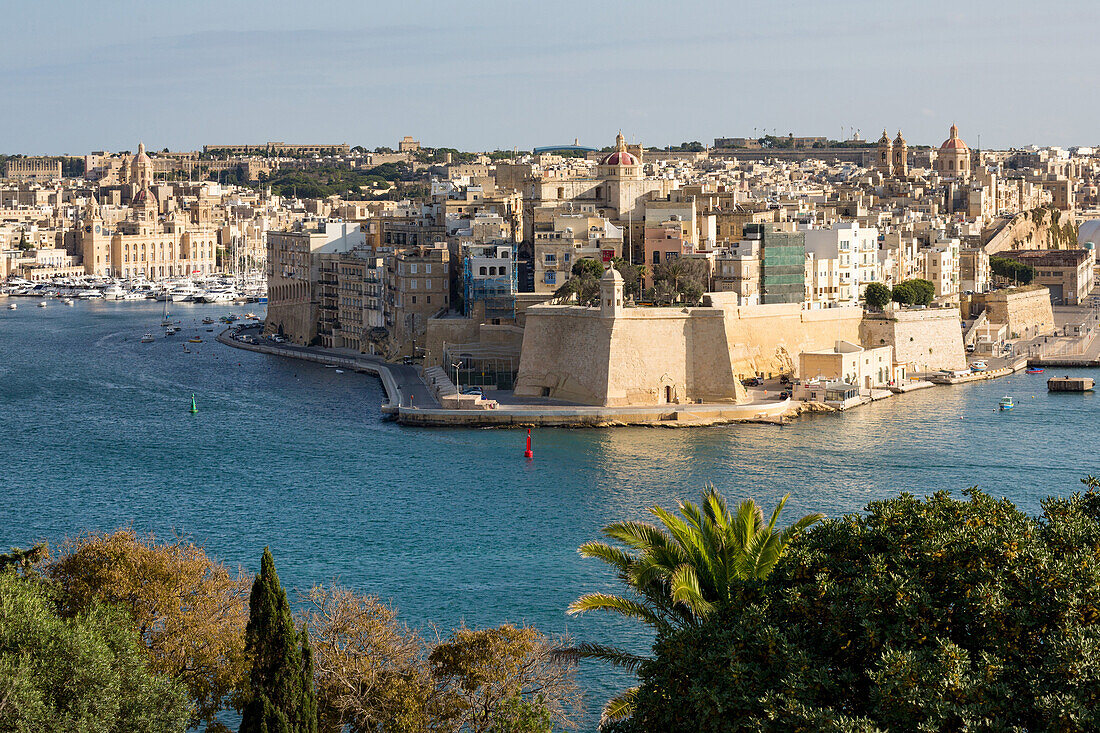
(77, 76)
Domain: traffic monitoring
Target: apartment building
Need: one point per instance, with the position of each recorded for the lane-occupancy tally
(840, 262)
(417, 288)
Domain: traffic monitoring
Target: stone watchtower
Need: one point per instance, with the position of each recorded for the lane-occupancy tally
(885, 161)
(901, 157)
(611, 293)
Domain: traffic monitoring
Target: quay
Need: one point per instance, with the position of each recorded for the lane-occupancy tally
(1070, 384)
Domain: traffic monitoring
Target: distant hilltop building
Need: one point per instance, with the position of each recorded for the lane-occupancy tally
(33, 169)
(279, 149)
(408, 145)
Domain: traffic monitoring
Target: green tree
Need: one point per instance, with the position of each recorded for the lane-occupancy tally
(877, 295)
(633, 276)
(682, 572)
(1011, 269)
(914, 292)
(922, 615)
(187, 609)
(79, 673)
(281, 696)
(680, 280)
(584, 283)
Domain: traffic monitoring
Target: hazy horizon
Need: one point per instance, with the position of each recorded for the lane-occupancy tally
(83, 77)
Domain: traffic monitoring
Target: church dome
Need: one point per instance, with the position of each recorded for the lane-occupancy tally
(145, 197)
(954, 142)
(619, 157)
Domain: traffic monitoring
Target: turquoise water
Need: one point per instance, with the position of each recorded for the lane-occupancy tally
(449, 525)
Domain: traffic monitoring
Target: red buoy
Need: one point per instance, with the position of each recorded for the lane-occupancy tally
(527, 453)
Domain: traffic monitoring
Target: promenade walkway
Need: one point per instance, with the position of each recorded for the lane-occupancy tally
(402, 382)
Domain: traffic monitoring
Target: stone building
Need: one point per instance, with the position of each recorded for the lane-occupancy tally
(417, 288)
(33, 169)
(953, 158)
(1067, 273)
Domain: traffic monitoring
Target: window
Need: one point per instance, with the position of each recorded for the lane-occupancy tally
(427, 269)
(429, 300)
(551, 277)
(412, 284)
(482, 271)
(412, 268)
(414, 300)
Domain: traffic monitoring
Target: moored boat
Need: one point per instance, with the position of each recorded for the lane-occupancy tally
(1006, 404)
(1033, 370)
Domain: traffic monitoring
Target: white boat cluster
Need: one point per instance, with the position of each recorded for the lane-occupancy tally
(214, 289)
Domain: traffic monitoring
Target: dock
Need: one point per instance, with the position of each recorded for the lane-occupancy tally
(1070, 384)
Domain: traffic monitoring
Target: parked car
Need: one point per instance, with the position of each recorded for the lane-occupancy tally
(753, 382)
(970, 348)
(784, 379)
(472, 391)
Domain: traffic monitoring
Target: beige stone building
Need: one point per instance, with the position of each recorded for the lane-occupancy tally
(851, 363)
(1067, 273)
(417, 288)
(145, 244)
(33, 169)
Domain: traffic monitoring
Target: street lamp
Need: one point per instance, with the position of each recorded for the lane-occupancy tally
(456, 365)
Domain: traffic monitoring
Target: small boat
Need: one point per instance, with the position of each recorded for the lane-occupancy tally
(1006, 404)
(251, 316)
(1033, 370)
(208, 320)
(339, 371)
(12, 306)
(194, 340)
(67, 301)
(41, 304)
(171, 331)
(147, 338)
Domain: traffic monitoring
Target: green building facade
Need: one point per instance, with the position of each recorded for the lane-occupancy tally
(782, 263)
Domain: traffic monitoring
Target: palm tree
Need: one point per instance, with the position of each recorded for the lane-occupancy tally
(683, 571)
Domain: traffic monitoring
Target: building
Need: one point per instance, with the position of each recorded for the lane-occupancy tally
(33, 169)
(782, 263)
(408, 145)
(294, 276)
(1067, 273)
(953, 158)
(145, 243)
(279, 149)
(892, 156)
(941, 267)
(851, 363)
(840, 262)
(417, 288)
(567, 238)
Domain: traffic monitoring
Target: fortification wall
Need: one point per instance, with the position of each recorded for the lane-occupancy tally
(767, 339)
(1026, 311)
(1042, 228)
(565, 355)
(925, 340)
(296, 321)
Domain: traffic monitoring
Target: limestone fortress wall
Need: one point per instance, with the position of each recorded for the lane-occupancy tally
(648, 356)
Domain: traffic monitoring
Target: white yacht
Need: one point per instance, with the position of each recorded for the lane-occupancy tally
(183, 292)
(89, 293)
(114, 292)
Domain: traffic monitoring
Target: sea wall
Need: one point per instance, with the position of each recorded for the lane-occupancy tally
(565, 354)
(925, 340)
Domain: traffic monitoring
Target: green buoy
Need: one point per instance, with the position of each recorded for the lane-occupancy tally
(194, 407)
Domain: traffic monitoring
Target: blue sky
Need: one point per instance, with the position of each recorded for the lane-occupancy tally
(77, 76)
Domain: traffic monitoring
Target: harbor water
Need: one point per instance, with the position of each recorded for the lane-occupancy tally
(450, 526)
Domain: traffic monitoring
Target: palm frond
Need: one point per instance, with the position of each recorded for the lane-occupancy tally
(619, 707)
(608, 602)
(613, 556)
(639, 535)
(611, 655)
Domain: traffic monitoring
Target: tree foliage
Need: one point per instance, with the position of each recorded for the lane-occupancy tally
(280, 685)
(80, 672)
(679, 574)
(877, 295)
(922, 615)
(914, 292)
(1011, 269)
(370, 670)
(188, 610)
(505, 679)
(682, 280)
(373, 673)
(583, 286)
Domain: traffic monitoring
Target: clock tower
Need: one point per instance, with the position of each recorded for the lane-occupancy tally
(95, 241)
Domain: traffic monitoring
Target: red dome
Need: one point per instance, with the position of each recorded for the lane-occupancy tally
(619, 158)
(953, 143)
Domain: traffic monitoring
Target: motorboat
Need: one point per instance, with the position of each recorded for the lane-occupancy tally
(1006, 404)
(183, 292)
(134, 295)
(90, 294)
(194, 340)
(67, 301)
(148, 338)
(41, 304)
(1033, 370)
(208, 320)
(113, 292)
(171, 331)
(12, 306)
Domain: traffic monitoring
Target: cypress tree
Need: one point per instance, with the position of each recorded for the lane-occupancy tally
(282, 699)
